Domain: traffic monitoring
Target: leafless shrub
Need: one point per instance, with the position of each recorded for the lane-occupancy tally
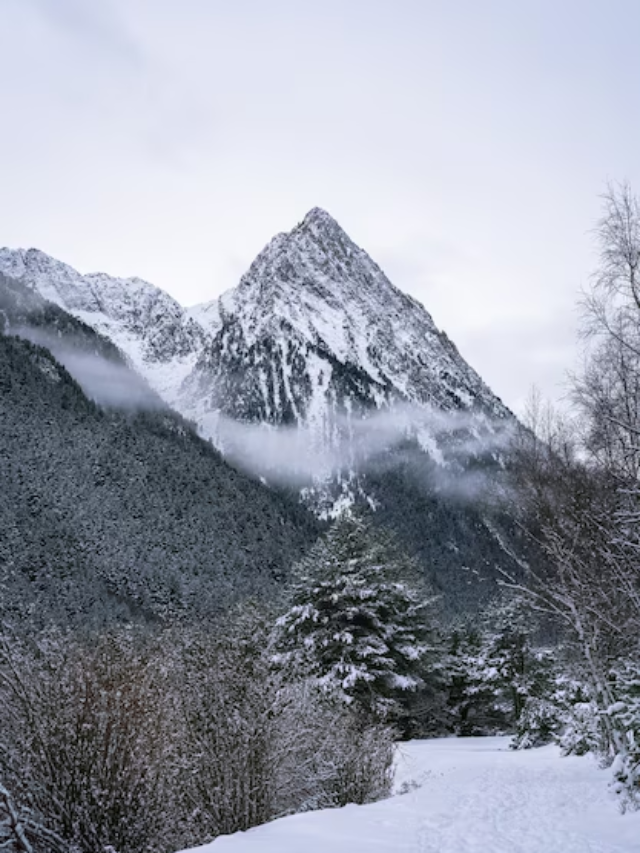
(83, 738)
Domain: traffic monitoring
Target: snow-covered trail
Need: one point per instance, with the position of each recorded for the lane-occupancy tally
(475, 796)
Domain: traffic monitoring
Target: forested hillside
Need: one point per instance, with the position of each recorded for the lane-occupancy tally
(108, 514)
(441, 514)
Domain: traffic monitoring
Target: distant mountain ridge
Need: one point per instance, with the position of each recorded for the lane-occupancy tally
(317, 354)
(156, 334)
(313, 329)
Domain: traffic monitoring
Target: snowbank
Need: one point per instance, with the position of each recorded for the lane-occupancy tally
(474, 796)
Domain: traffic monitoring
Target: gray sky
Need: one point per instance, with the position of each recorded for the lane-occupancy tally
(462, 143)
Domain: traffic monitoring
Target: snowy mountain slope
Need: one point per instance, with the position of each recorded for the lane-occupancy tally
(315, 327)
(316, 372)
(313, 332)
(161, 340)
(474, 795)
(119, 516)
(92, 359)
(207, 315)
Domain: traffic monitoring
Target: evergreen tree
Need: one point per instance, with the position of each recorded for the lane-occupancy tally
(626, 716)
(509, 662)
(495, 672)
(357, 620)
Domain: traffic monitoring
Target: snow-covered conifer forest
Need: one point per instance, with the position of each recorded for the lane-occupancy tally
(287, 552)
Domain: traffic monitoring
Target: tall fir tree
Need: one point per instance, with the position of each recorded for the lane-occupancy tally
(358, 620)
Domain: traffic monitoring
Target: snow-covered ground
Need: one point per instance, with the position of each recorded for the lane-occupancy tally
(475, 796)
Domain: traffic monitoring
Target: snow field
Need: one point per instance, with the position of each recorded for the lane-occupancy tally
(474, 795)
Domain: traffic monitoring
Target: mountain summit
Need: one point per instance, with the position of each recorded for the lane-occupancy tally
(315, 327)
(313, 332)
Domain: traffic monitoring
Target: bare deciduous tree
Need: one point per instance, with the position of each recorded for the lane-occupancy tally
(582, 490)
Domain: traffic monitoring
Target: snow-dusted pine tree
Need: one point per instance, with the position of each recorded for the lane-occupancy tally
(495, 673)
(358, 620)
(626, 715)
(509, 661)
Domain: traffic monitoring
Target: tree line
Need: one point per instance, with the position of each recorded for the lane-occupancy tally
(156, 739)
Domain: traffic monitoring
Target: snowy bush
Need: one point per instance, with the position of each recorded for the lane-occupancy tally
(152, 742)
(625, 715)
(553, 708)
(582, 730)
(330, 754)
(538, 724)
(496, 678)
(83, 739)
(228, 715)
(258, 745)
(21, 833)
(561, 710)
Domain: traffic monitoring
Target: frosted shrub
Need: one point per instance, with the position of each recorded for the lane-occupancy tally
(330, 754)
(135, 742)
(538, 724)
(561, 710)
(625, 715)
(257, 745)
(583, 730)
(83, 739)
(228, 712)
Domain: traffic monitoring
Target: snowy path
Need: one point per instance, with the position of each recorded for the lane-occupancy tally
(475, 796)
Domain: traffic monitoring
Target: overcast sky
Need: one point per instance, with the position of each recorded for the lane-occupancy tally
(462, 143)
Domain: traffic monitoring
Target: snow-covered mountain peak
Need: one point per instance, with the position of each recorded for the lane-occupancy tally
(317, 280)
(316, 285)
(156, 333)
(318, 217)
(321, 225)
(314, 332)
(54, 280)
(273, 273)
(62, 284)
